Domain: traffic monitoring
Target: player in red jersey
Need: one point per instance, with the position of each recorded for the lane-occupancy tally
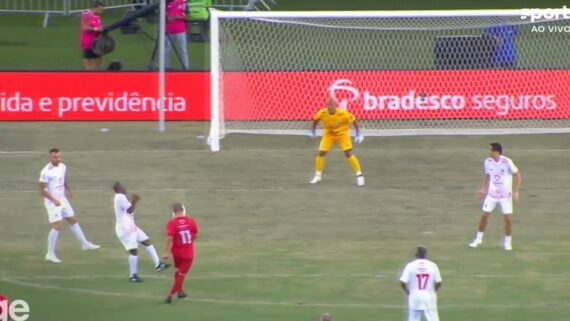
(181, 232)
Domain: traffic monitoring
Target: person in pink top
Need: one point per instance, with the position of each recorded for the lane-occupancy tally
(176, 18)
(90, 29)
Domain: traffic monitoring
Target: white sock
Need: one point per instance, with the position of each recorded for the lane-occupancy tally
(318, 174)
(507, 239)
(76, 229)
(479, 236)
(52, 241)
(133, 260)
(153, 255)
(358, 173)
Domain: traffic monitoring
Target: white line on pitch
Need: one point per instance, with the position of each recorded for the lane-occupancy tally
(234, 190)
(220, 190)
(380, 149)
(190, 190)
(193, 299)
(284, 275)
(283, 303)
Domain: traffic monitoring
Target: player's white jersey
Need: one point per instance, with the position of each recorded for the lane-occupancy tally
(125, 221)
(500, 176)
(421, 275)
(54, 178)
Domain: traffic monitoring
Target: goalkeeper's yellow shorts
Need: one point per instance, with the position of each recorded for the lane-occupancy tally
(328, 141)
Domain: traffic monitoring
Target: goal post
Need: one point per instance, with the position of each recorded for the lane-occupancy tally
(399, 72)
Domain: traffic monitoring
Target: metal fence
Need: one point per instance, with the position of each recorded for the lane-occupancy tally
(244, 4)
(33, 6)
(76, 6)
(66, 7)
(63, 7)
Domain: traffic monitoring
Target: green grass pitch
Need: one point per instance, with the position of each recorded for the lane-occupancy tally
(273, 247)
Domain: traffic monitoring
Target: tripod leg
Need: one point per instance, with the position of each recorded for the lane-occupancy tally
(153, 63)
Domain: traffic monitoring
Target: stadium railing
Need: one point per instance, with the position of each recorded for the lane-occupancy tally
(68, 7)
(60, 7)
(246, 5)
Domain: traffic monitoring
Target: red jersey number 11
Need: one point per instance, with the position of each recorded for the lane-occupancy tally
(186, 237)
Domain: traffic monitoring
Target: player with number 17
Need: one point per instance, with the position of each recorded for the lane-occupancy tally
(421, 280)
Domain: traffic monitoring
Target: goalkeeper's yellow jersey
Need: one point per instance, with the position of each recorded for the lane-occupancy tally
(336, 124)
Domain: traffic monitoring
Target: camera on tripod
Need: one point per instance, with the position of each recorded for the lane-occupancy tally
(130, 25)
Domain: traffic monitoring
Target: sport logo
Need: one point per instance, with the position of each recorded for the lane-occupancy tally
(342, 87)
(545, 14)
(18, 310)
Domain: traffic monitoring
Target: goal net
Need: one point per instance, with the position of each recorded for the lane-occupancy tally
(398, 72)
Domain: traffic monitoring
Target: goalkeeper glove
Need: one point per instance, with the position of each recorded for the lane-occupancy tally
(359, 138)
(313, 132)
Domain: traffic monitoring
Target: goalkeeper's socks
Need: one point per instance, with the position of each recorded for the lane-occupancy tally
(319, 164)
(354, 164)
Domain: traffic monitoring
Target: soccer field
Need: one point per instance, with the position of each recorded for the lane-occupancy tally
(272, 246)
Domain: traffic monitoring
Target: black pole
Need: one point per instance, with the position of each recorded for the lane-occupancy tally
(133, 16)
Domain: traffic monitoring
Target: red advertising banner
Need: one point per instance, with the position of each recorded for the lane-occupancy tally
(58, 96)
(399, 94)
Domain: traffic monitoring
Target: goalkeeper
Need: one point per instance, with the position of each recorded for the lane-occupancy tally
(336, 124)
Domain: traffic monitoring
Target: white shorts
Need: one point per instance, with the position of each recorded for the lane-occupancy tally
(490, 203)
(131, 240)
(58, 213)
(416, 315)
